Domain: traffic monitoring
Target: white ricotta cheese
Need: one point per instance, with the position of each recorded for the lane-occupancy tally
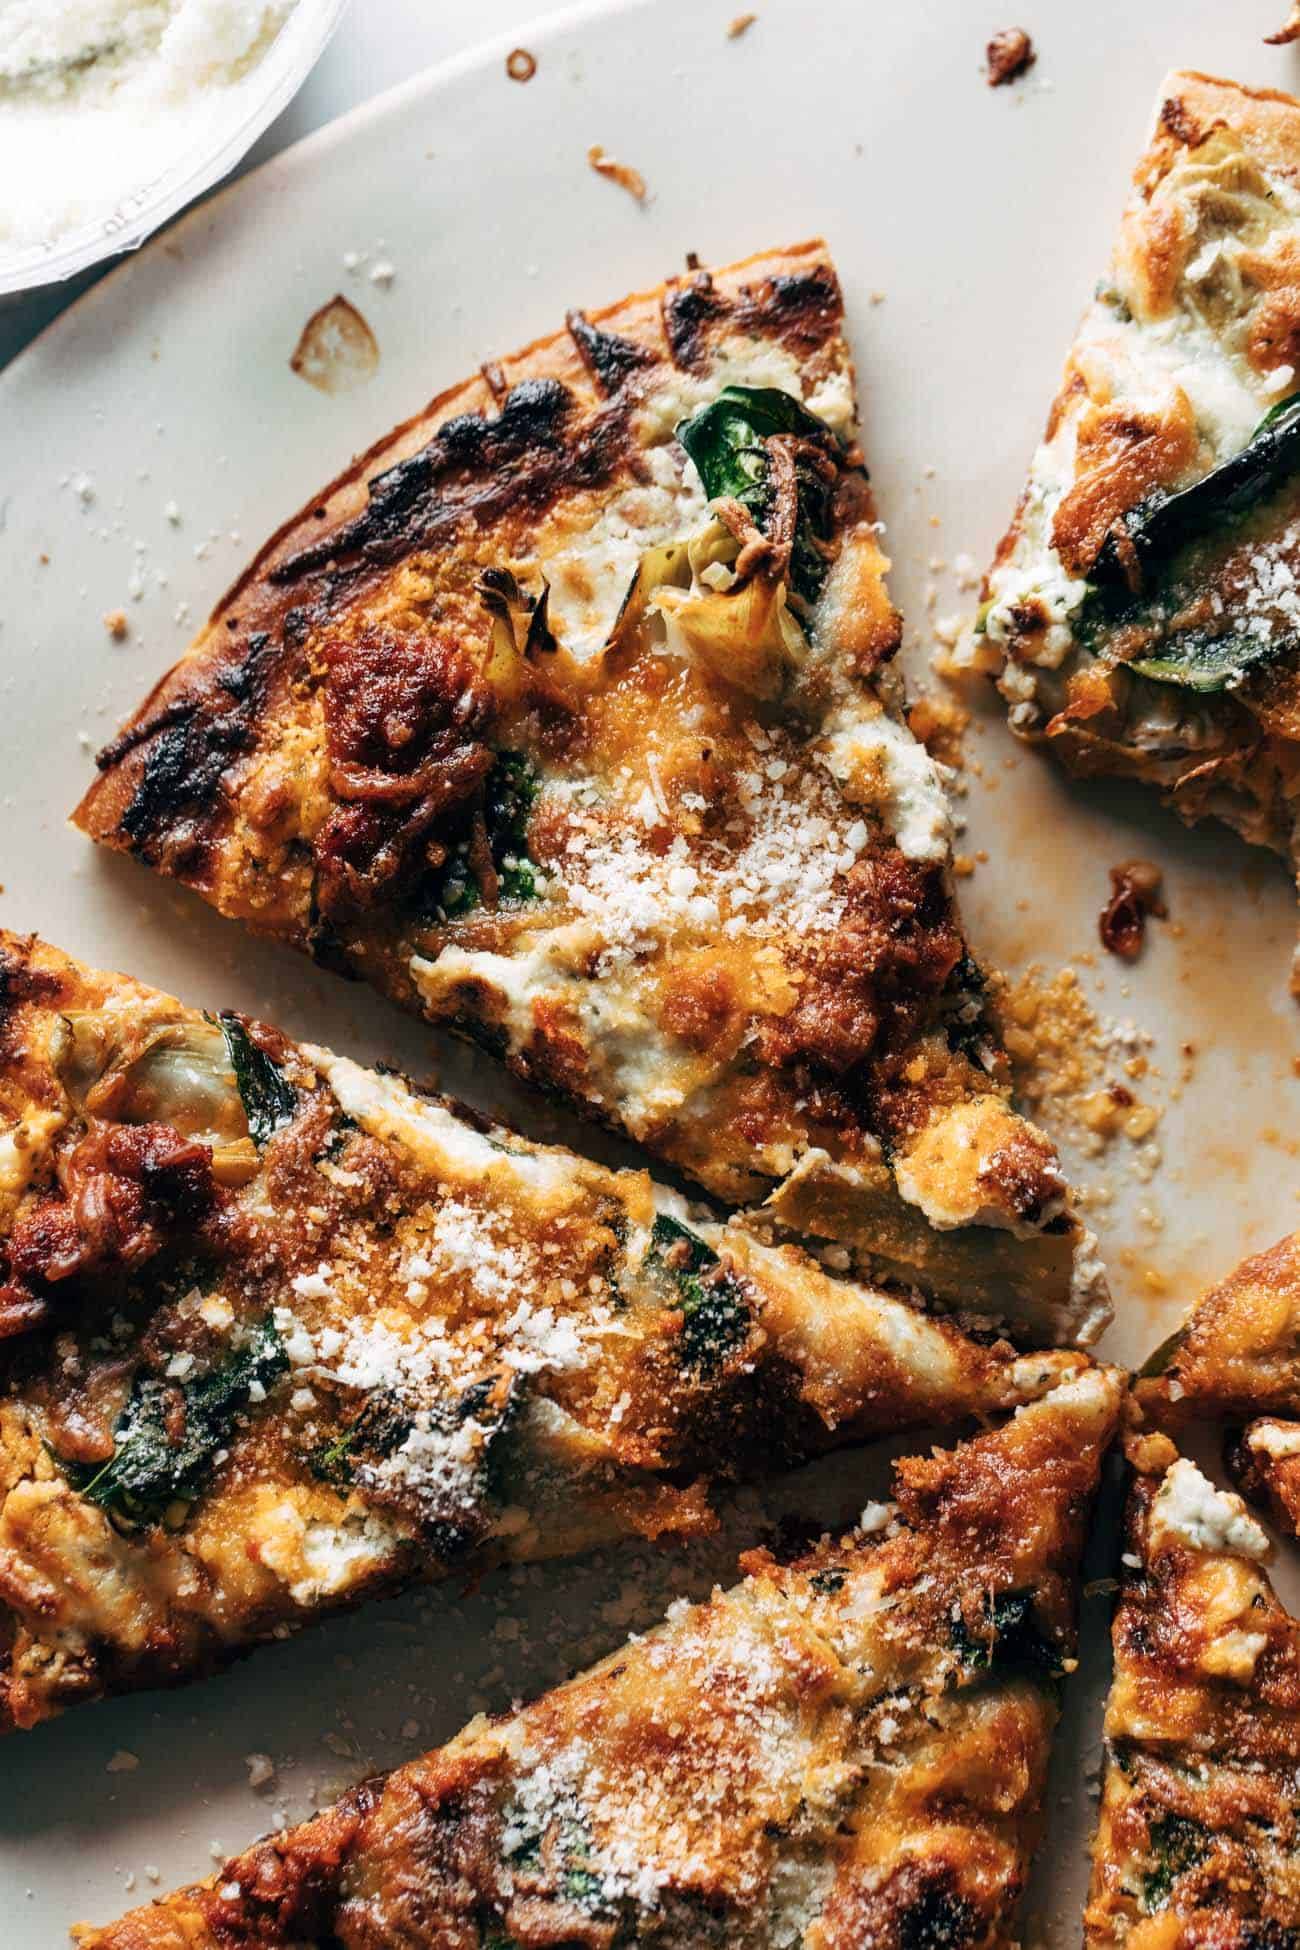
(1276, 1439)
(878, 762)
(1191, 1512)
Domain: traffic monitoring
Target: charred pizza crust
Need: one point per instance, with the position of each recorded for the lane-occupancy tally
(1142, 615)
(848, 1750)
(598, 756)
(278, 1333)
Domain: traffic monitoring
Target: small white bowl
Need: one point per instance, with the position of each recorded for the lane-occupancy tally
(125, 224)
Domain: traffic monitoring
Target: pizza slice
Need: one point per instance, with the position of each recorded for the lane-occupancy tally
(849, 1750)
(569, 718)
(1142, 614)
(1237, 1354)
(1197, 1839)
(1236, 1359)
(278, 1332)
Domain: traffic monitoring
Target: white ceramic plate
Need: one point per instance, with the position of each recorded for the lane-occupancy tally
(983, 218)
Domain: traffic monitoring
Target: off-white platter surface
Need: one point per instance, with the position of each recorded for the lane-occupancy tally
(157, 432)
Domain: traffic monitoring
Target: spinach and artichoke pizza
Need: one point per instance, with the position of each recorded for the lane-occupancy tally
(278, 1332)
(846, 1751)
(569, 718)
(1142, 615)
(1197, 1842)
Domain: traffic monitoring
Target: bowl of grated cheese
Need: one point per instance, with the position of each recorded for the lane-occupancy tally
(114, 114)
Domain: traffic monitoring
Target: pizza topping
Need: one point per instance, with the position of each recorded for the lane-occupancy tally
(491, 863)
(770, 466)
(1155, 530)
(404, 723)
(1176, 1844)
(170, 1432)
(269, 1099)
(1189, 1512)
(1007, 1637)
(177, 1073)
(1135, 893)
(124, 1188)
(715, 1309)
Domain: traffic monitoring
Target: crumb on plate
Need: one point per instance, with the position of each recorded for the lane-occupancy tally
(1010, 52)
(1135, 893)
(623, 174)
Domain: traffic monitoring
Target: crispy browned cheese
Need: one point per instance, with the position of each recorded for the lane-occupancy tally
(848, 1750)
(1142, 615)
(1237, 1354)
(1197, 1843)
(603, 763)
(279, 1333)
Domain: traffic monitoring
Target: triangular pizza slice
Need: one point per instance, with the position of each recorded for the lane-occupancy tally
(847, 1751)
(569, 718)
(278, 1333)
(1236, 1359)
(1198, 1836)
(1142, 615)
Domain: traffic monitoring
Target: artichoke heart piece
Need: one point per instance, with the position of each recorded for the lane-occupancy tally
(181, 1075)
(743, 631)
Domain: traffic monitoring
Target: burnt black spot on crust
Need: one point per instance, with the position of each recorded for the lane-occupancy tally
(610, 359)
(932, 1914)
(478, 468)
(804, 308)
(191, 744)
(688, 311)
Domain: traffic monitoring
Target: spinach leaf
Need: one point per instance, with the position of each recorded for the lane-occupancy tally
(827, 1583)
(1207, 663)
(511, 793)
(714, 1305)
(169, 1433)
(379, 1429)
(727, 440)
(1161, 1358)
(1011, 1641)
(509, 796)
(1177, 1844)
(569, 1854)
(269, 1099)
(1161, 526)
(1174, 627)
